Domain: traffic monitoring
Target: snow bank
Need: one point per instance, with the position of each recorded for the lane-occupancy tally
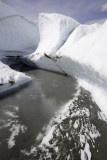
(17, 35)
(10, 79)
(54, 31)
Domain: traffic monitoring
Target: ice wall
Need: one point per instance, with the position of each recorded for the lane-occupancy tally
(82, 55)
(18, 36)
(54, 30)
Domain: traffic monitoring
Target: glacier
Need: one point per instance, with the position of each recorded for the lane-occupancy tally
(79, 52)
(18, 35)
(61, 44)
(54, 30)
(58, 43)
(87, 59)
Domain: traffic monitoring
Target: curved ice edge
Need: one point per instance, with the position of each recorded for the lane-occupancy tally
(17, 85)
(86, 76)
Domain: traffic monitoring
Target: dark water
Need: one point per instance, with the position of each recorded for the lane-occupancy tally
(81, 132)
(25, 113)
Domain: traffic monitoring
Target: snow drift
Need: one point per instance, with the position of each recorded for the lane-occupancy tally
(82, 54)
(17, 35)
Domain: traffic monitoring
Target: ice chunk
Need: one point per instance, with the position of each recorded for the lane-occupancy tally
(10, 79)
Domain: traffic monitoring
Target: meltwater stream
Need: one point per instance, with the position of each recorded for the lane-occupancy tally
(51, 119)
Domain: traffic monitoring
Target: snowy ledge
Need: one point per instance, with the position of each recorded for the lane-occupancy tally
(11, 80)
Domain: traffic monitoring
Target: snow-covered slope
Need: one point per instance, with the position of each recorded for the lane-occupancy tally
(17, 35)
(54, 31)
(10, 79)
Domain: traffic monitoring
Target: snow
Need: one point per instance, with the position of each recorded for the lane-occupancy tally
(86, 59)
(7, 75)
(86, 154)
(54, 30)
(90, 50)
(18, 36)
(82, 55)
(15, 130)
(76, 124)
(78, 33)
(10, 120)
(48, 136)
(63, 46)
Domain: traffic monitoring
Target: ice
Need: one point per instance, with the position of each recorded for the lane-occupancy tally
(15, 129)
(6, 10)
(82, 55)
(11, 78)
(54, 31)
(86, 154)
(86, 59)
(90, 51)
(18, 36)
(65, 46)
(60, 138)
(10, 121)
(78, 33)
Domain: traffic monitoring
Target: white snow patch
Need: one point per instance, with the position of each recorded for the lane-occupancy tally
(15, 129)
(8, 75)
(86, 154)
(76, 124)
(10, 114)
(48, 137)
